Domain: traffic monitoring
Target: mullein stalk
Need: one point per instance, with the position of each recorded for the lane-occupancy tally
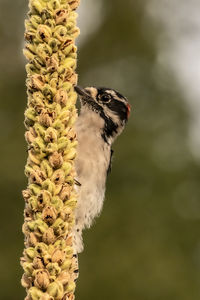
(49, 263)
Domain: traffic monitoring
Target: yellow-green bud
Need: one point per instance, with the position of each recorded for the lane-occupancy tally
(55, 289)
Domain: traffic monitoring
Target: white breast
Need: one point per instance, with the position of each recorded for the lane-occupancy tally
(91, 164)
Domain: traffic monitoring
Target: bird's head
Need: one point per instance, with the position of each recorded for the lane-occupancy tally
(109, 105)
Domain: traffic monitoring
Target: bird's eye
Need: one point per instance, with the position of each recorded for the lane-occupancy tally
(105, 98)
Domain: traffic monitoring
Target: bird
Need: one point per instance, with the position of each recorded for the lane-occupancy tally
(103, 115)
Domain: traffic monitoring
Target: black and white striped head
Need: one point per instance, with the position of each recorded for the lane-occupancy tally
(110, 105)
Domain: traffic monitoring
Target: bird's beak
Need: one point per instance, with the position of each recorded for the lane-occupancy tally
(85, 97)
(81, 92)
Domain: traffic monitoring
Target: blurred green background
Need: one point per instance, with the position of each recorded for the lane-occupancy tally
(146, 244)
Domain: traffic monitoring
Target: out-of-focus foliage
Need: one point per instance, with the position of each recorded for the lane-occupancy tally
(146, 244)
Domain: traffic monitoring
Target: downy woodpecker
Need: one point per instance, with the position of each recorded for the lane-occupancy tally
(103, 115)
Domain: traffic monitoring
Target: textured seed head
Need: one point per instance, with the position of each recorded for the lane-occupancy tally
(47, 261)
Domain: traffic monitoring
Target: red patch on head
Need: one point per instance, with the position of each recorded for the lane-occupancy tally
(128, 110)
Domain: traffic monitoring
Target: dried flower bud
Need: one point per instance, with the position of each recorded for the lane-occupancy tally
(71, 296)
(49, 214)
(49, 236)
(52, 63)
(45, 119)
(37, 263)
(29, 137)
(41, 279)
(73, 79)
(43, 33)
(29, 36)
(64, 277)
(32, 239)
(50, 135)
(74, 4)
(69, 240)
(41, 249)
(26, 281)
(71, 134)
(61, 16)
(58, 256)
(43, 198)
(61, 97)
(37, 176)
(56, 160)
(58, 177)
(60, 33)
(26, 194)
(65, 192)
(37, 81)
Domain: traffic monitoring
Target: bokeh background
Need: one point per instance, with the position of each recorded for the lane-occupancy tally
(146, 244)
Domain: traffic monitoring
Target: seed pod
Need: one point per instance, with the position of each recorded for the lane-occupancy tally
(38, 263)
(58, 256)
(41, 279)
(26, 281)
(64, 277)
(37, 81)
(61, 16)
(49, 236)
(49, 214)
(61, 97)
(74, 4)
(56, 160)
(43, 33)
(32, 239)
